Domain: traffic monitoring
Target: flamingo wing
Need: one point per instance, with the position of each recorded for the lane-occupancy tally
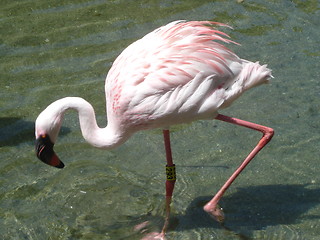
(177, 73)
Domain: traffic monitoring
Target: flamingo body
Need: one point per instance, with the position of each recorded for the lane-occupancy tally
(179, 73)
(176, 74)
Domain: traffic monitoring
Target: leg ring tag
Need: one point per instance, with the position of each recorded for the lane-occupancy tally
(171, 173)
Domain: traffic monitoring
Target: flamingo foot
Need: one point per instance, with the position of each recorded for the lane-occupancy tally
(154, 236)
(143, 228)
(215, 212)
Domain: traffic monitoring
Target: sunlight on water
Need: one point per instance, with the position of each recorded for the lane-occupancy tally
(52, 50)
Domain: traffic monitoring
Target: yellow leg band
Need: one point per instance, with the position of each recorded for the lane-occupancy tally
(171, 173)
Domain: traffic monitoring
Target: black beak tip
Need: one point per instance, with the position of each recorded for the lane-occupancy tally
(61, 165)
(44, 151)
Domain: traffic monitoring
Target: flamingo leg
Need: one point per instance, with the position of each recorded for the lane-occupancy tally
(171, 178)
(211, 207)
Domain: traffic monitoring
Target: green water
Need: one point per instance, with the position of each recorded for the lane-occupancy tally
(53, 49)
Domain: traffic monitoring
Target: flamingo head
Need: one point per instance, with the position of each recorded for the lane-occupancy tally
(47, 129)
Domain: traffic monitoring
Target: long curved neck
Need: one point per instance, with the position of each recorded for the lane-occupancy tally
(108, 137)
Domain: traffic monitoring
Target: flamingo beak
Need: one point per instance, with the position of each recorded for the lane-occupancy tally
(44, 151)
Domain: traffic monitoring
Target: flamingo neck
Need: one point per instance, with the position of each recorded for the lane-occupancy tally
(108, 137)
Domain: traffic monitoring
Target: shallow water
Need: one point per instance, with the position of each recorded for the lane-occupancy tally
(51, 50)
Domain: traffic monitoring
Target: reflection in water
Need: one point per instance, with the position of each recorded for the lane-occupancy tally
(251, 209)
(16, 130)
(257, 207)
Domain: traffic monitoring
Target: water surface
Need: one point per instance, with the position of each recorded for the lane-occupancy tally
(53, 49)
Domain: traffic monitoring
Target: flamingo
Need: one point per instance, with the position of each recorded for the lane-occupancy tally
(178, 73)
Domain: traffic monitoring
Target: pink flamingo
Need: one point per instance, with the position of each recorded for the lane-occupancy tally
(179, 73)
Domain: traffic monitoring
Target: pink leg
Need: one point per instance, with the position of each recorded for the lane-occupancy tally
(171, 178)
(211, 207)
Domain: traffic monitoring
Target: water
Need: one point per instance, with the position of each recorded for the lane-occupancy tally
(54, 49)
